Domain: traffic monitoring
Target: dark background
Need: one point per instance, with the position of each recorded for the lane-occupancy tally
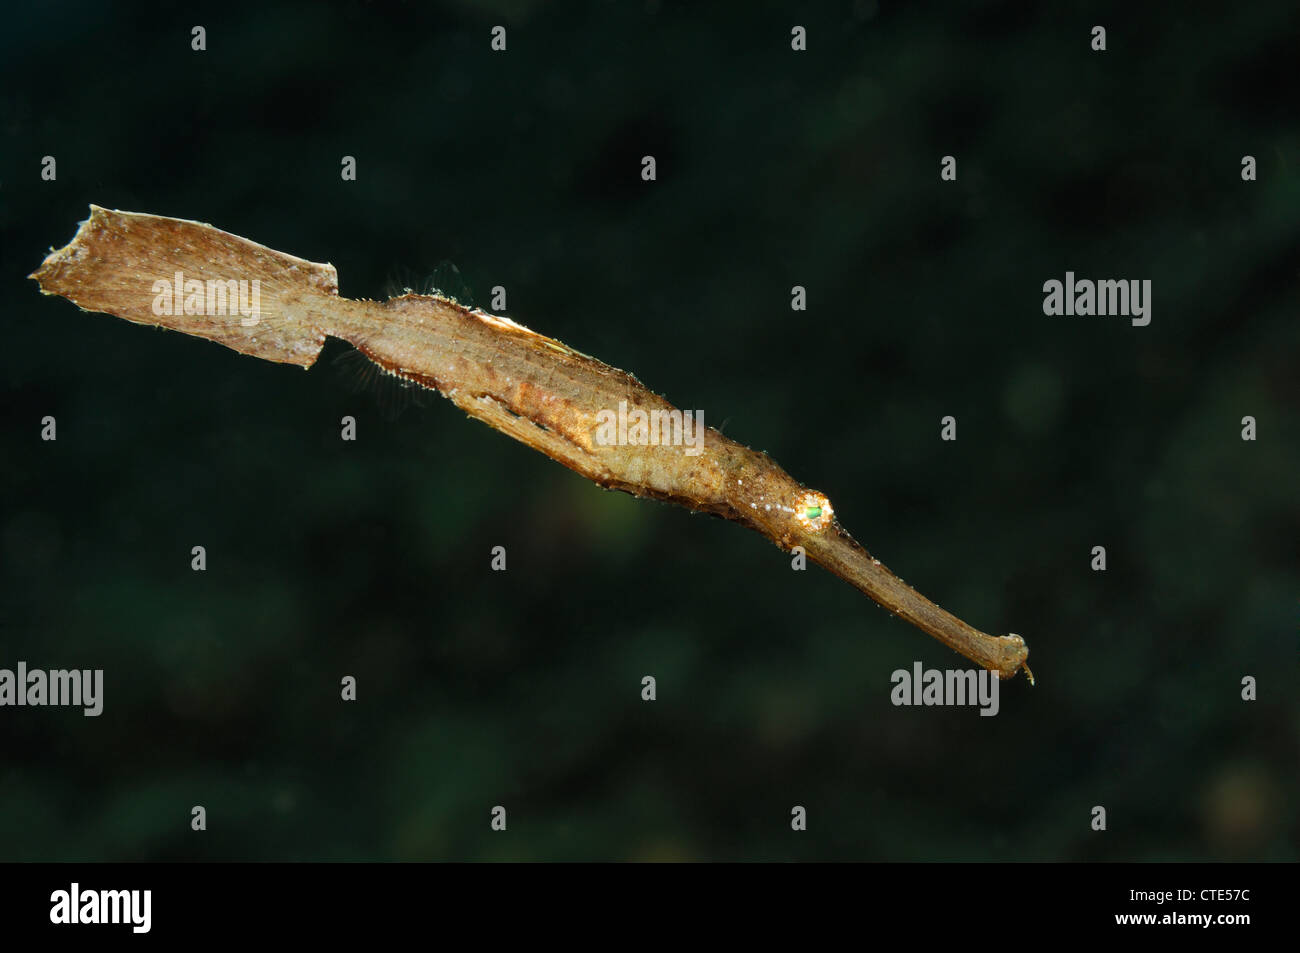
(775, 168)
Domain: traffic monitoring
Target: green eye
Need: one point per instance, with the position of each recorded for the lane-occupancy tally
(812, 511)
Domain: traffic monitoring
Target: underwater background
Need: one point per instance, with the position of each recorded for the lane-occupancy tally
(775, 168)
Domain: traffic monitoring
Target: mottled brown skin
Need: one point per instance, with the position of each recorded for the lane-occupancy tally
(531, 387)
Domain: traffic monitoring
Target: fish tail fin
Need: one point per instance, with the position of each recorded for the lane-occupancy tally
(194, 278)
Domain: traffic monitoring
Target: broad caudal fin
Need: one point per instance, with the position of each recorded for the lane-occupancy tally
(193, 278)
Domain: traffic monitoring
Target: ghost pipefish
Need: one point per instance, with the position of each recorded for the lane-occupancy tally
(280, 308)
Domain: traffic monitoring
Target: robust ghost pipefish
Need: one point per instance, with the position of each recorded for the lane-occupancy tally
(531, 387)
